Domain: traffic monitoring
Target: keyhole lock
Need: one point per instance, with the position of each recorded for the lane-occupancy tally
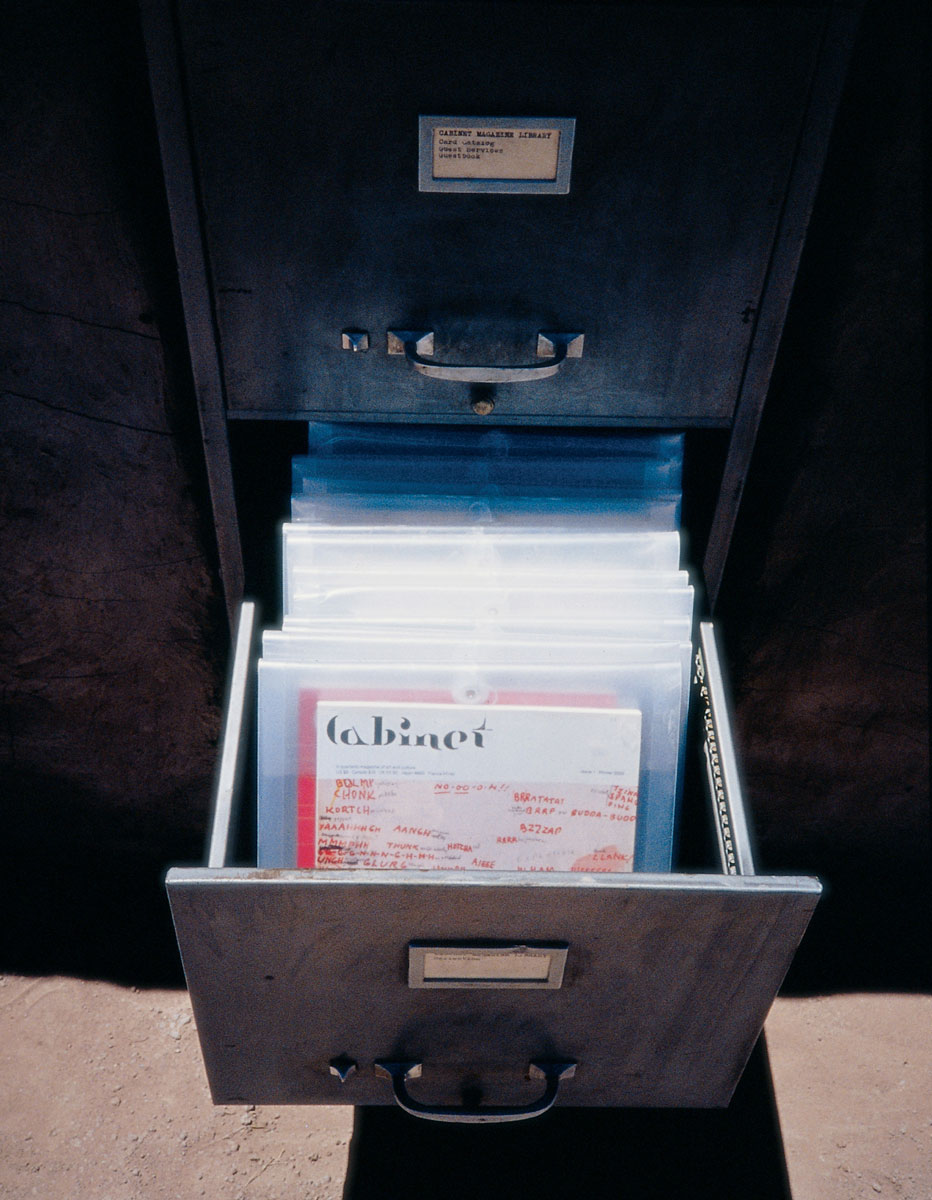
(482, 399)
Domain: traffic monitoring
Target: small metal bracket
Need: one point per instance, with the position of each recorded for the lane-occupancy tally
(543, 1071)
(354, 339)
(343, 1067)
(548, 341)
(421, 340)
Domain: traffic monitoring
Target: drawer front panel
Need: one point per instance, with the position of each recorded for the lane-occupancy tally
(306, 133)
(667, 983)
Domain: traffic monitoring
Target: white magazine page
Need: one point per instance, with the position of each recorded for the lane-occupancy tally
(448, 786)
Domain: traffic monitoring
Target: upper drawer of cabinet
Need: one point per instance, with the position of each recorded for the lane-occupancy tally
(404, 205)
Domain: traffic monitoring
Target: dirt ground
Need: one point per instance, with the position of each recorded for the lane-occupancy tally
(853, 1079)
(103, 1095)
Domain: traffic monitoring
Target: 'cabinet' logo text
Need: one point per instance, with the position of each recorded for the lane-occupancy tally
(383, 735)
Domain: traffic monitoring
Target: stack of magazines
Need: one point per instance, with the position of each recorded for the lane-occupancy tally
(484, 655)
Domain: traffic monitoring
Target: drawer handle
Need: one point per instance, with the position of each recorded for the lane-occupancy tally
(400, 1072)
(418, 345)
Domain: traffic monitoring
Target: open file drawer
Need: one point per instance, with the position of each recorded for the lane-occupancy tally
(316, 987)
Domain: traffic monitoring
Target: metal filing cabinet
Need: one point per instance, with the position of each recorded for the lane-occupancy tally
(554, 214)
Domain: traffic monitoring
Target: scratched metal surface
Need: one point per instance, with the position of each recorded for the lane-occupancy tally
(306, 140)
(668, 980)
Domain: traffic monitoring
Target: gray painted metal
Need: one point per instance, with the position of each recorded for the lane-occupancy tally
(702, 135)
(165, 76)
(687, 123)
(775, 297)
(668, 981)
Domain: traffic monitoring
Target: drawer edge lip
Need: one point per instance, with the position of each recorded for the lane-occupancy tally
(570, 881)
(454, 416)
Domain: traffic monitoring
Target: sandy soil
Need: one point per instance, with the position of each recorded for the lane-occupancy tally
(853, 1078)
(103, 1095)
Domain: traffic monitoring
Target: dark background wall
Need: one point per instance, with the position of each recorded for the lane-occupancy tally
(826, 598)
(112, 631)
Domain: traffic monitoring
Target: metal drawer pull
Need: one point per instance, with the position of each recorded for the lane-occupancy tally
(400, 1072)
(418, 345)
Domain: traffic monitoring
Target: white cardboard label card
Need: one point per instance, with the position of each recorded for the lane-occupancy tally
(497, 153)
(506, 787)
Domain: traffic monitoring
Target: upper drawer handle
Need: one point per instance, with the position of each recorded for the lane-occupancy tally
(416, 345)
(400, 1072)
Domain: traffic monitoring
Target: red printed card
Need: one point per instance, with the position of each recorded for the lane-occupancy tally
(411, 780)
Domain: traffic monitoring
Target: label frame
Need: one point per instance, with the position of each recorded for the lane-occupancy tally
(558, 186)
(551, 955)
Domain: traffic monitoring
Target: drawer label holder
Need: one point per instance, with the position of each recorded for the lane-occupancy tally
(492, 964)
(496, 154)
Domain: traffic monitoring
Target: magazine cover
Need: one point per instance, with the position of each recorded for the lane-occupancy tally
(401, 783)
